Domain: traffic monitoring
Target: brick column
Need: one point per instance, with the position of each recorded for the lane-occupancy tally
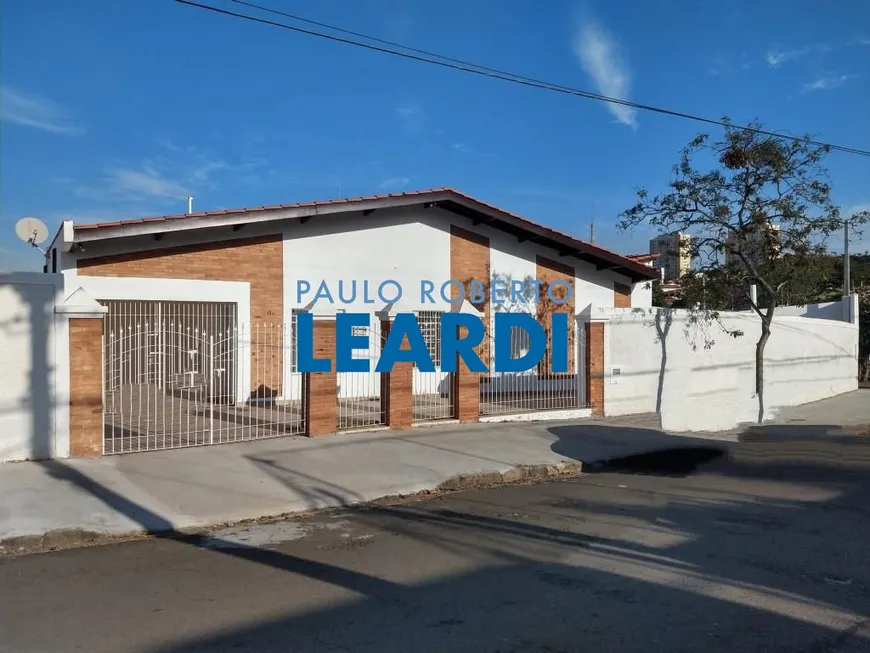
(321, 388)
(397, 389)
(595, 367)
(86, 386)
(466, 389)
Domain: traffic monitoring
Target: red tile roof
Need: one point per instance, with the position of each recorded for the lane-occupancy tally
(589, 249)
(254, 209)
(642, 258)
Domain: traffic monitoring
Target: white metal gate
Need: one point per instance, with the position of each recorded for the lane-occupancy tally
(433, 395)
(360, 403)
(179, 374)
(537, 389)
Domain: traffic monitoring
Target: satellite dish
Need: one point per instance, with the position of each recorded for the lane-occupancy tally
(31, 230)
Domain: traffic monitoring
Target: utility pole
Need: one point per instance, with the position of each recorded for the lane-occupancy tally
(592, 225)
(189, 204)
(847, 272)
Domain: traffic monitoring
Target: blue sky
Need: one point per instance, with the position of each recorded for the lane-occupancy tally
(120, 109)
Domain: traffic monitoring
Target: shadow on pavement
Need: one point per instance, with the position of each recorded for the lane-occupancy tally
(758, 545)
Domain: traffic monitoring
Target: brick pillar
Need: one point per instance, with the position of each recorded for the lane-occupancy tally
(397, 389)
(321, 388)
(595, 367)
(86, 386)
(466, 389)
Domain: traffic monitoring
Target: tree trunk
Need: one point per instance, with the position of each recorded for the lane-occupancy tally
(759, 364)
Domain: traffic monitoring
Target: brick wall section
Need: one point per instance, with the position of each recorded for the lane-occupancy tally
(258, 261)
(595, 367)
(466, 392)
(321, 396)
(397, 389)
(621, 295)
(469, 259)
(86, 387)
(549, 271)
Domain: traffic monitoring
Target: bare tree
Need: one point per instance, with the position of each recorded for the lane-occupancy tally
(760, 212)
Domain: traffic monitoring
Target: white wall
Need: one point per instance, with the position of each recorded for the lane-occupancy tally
(34, 358)
(826, 310)
(641, 295)
(707, 380)
(405, 245)
(409, 245)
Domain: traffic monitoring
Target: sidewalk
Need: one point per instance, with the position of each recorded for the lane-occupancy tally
(77, 500)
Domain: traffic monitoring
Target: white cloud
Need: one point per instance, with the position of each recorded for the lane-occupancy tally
(777, 56)
(603, 59)
(31, 110)
(394, 183)
(146, 182)
(411, 116)
(186, 171)
(827, 82)
(130, 184)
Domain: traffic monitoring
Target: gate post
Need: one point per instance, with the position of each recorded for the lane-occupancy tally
(466, 389)
(397, 388)
(321, 388)
(86, 351)
(595, 360)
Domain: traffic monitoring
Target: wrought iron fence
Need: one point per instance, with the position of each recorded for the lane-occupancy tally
(179, 374)
(540, 388)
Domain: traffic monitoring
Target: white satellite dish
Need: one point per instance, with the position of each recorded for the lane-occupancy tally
(32, 231)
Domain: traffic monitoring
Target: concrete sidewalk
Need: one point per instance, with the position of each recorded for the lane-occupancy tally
(77, 500)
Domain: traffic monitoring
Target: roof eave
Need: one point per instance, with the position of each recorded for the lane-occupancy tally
(565, 245)
(214, 219)
(447, 199)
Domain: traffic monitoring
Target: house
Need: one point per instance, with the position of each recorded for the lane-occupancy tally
(197, 344)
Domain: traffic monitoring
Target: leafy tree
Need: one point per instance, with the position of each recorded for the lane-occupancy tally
(758, 214)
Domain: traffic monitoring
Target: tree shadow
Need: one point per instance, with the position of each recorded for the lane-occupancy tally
(160, 527)
(553, 582)
(39, 399)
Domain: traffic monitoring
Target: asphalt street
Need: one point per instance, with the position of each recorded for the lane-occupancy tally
(761, 549)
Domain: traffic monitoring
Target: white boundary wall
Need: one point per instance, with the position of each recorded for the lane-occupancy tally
(34, 368)
(699, 378)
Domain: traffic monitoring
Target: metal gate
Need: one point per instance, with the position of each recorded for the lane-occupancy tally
(179, 374)
(537, 389)
(433, 397)
(360, 403)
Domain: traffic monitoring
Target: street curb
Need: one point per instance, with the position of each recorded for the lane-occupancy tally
(72, 538)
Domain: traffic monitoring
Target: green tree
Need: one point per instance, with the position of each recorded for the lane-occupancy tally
(758, 214)
(658, 295)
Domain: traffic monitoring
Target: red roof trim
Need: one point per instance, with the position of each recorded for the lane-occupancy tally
(416, 193)
(642, 257)
(276, 207)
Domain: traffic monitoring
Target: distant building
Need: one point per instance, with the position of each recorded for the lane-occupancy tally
(758, 245)
(674, 255)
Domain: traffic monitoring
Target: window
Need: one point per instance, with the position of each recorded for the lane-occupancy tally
(54, 260)
(430, 327)
(520, 342)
